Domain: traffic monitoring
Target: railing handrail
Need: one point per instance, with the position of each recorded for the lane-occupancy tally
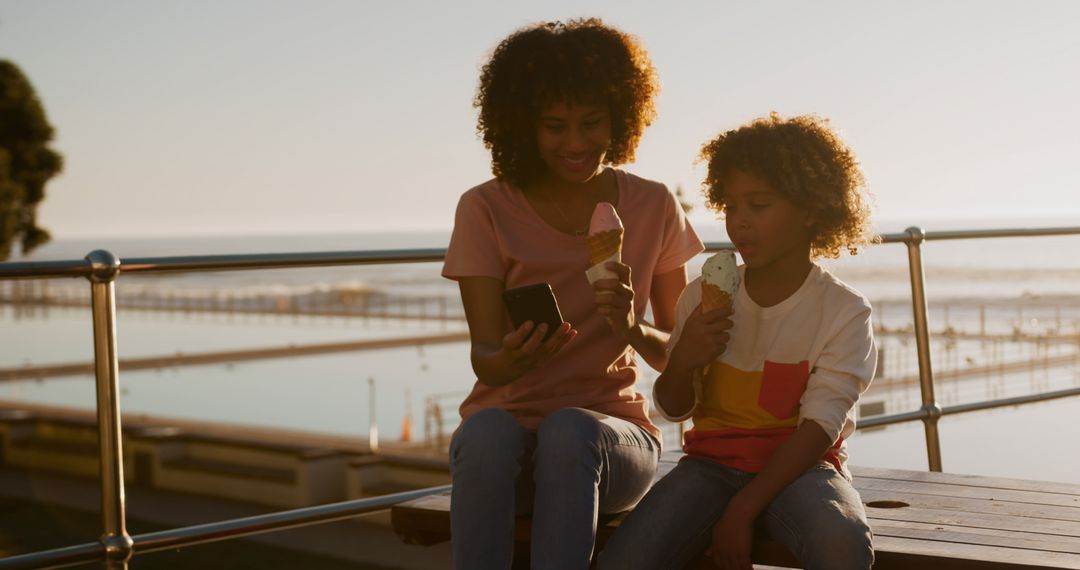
(102, 268)
(237, 262)
(220, 530)
(939, 235)
(922, 414)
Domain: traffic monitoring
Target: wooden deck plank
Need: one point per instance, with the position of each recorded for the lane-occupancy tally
(1051, 512)
(963, 491)
(937, 555)
(993, 526)
(976, 535)
(967, 480)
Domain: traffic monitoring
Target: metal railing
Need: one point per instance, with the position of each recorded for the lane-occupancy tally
(210, 532)
(102, 269)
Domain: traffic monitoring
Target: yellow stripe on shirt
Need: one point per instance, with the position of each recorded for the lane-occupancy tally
(730, 399)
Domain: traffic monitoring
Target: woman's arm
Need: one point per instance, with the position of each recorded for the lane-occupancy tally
(615, 301)
(666, 288)
(500, 356)
(651, 340)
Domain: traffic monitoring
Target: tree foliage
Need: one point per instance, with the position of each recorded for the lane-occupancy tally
(26, 162)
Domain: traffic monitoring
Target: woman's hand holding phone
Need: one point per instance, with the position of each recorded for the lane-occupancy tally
(539, 331)
(525, 347)
(499, 357)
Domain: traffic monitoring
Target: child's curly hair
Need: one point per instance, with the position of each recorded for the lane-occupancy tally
(577, 61)
(805, 161)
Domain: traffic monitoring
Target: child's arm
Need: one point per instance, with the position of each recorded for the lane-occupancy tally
(500, 357)
(702, 340)
(615, 301)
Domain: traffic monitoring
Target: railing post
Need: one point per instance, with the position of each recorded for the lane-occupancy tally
(373, 426)
(922, 344)
(118, 544)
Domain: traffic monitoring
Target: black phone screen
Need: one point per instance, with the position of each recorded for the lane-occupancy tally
(534, 303)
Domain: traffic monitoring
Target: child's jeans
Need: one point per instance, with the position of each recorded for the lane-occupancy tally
(577, 464)
(819, 517)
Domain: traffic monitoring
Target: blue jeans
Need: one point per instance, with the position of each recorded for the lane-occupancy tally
(578, 464)
(819, 517)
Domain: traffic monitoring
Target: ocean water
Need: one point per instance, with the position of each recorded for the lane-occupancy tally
(1014, 287)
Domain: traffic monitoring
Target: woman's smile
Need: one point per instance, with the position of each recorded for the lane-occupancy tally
(572, 140)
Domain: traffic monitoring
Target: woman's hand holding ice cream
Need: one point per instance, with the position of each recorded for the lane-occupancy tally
(615, 299)
(614, 294)
(605, 242)
(608, 276)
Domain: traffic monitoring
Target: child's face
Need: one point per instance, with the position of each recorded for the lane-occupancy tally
(573, 140)
(765, 226)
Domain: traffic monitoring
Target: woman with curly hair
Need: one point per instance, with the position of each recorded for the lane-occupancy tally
(771, 382)
(554, 427)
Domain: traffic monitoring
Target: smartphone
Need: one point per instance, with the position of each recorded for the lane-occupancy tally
(534, 303)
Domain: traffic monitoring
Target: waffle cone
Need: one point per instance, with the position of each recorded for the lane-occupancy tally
(603, 245)
(713, 297)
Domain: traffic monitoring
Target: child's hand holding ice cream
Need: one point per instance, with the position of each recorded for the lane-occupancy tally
(704, 337)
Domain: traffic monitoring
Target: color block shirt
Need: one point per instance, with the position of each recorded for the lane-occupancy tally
(498, 234)
(808, 357)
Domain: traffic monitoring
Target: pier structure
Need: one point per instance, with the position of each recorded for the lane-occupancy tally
(30, 297)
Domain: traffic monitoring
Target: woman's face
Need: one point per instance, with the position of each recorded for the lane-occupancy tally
(573, 140)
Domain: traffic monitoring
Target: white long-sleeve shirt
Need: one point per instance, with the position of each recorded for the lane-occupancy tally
(808, 357)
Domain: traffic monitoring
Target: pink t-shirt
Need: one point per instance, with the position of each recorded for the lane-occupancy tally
(498, 234)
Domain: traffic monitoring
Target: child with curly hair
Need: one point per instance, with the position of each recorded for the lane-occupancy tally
(552, 427)
(772, 382)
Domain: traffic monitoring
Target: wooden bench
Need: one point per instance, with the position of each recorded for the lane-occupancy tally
(920, 520)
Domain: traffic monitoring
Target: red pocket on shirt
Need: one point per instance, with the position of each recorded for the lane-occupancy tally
(782, 386)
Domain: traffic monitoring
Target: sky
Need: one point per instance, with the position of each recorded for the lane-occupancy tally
(201, 118)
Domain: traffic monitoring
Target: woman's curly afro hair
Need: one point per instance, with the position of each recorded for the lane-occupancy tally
(580, 61)
(805, 161)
